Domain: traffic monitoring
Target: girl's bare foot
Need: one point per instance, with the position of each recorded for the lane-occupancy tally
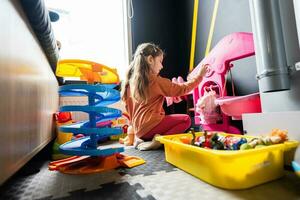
(129, 139)
(150, 145)
(122, 140)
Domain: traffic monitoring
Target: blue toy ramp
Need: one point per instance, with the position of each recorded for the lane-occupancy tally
(98, 96)
(80, 147)
(101, 95)
(79, 128)
(99, 111)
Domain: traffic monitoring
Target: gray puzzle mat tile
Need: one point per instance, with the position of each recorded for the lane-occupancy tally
(155, 161)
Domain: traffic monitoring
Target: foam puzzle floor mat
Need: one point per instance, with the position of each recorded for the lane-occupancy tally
(156, 179)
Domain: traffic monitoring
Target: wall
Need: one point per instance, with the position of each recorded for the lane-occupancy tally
(28, 91)
(167, 23)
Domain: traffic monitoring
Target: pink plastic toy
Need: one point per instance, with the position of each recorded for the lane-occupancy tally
(232, 47)
(171, 100)
(237, 105)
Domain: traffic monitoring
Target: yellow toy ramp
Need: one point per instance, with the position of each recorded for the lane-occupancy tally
(87, 70)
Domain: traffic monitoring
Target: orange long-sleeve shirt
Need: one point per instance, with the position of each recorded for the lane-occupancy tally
(146, 115)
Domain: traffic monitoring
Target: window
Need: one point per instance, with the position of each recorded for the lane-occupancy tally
(94, 30)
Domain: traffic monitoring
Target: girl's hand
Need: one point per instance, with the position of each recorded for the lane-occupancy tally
(203, 70)
(200, 74)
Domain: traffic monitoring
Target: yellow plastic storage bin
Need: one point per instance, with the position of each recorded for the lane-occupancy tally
(228, 169)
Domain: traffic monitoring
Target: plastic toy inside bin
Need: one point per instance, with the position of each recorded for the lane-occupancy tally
(235, 106)
(234, 170)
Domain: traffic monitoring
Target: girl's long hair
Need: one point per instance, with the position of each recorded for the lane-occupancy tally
(137, 76)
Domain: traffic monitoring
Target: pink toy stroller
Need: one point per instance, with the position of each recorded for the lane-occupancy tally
(232, 47)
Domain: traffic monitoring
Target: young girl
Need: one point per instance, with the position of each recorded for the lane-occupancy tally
(144, 92)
